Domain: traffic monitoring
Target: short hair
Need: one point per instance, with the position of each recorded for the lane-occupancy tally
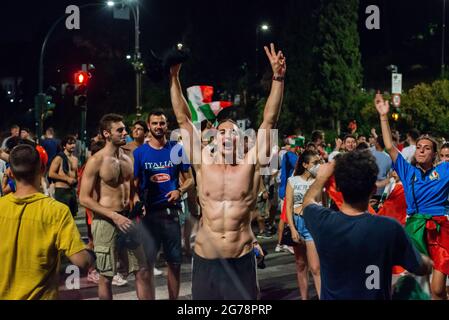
(15, 141)
(26, 129)
(107, 120)
(142, 124)
(431, 139)
(362, 146)
(50, 130)
(14, 126)
(25, 162)
(380, 141)
(227, 120)
(414, 134)
(317, 134)
(356, 175)
(157, 112)
(310, 144)
(96, 146)
(67, 139)
(349, 136)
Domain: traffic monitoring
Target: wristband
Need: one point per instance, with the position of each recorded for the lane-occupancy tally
(278, 78)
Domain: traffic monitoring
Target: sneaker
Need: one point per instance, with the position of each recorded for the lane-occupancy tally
(93, 276)
(278, 248)
(157, 272)
(118, 280)
(265, 235)
(288, 249)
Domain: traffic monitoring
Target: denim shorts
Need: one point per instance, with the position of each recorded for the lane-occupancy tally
(301, 227)
(162, 229)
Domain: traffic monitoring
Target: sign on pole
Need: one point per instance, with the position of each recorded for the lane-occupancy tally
(396, 83)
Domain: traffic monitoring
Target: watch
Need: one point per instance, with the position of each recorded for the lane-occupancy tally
(278, 78)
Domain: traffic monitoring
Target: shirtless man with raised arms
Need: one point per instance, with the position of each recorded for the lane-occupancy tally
(105, 189)
(224, 265)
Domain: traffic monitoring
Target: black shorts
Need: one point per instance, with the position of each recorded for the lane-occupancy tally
(68, 197)
(225, 279)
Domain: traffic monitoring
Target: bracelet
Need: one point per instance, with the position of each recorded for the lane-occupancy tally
(278, 78)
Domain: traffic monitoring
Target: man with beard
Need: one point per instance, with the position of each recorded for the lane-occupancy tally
(224, 264)
(157, 175)
(63, 171)
(105, 189)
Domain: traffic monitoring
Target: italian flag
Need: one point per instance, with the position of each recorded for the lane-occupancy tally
(201, 105)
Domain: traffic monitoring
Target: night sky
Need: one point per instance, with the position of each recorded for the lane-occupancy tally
(225, 30)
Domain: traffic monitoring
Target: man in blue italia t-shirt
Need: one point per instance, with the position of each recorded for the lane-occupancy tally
(157, 167)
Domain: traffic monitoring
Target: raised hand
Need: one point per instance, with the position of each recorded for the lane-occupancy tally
(277, 60)
(174, 70)
(382, 106)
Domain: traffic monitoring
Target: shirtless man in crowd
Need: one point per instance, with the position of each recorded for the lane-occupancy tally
(224, 264)
(109, 172)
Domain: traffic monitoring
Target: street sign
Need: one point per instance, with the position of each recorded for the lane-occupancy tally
(396, 83)
(396, 100)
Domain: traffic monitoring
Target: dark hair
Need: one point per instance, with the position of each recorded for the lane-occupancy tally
(356, 175)
(349, 136)
(362, 146)
(302, 159)
(142, 124)
(310, 144)
(96, 146)
(317, 134)
(26, 129)
(14, 126)
(25, 162)
(67, 139)
(380, 141)
(15, 141)
(414, 134)
(107, 120)
(157, 112)
(445, 146)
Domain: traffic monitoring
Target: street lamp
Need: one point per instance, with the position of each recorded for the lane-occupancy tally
(137, 63)
(264, 28)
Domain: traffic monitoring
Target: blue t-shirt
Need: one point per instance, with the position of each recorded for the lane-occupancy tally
(51, 146)
(431, 188)
(357, 253)
(288, 164)
(158, 172)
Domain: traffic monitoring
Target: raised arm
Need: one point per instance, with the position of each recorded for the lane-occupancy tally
(182, 113)
(313, 194)
(274, 101)
(383, 108)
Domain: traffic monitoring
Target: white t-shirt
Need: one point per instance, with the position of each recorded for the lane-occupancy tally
(300, 187)
(409, 152)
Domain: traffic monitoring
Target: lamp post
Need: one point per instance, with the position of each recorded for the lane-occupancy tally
(133, 5)
(264, 28)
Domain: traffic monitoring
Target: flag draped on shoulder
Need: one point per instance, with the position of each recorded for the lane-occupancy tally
(201, 105)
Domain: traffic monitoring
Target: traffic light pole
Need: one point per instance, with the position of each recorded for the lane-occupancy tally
(138, 66)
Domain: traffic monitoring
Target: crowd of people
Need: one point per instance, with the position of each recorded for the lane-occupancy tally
(353, 215)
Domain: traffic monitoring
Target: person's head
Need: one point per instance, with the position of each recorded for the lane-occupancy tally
(380, 143)
(15, 130)
(157, 123)
(311, 146)
(355, 176)
(140, 130)
(228, 137)
(25, 164)
(362, 146)
(96, 146)
(361, 138)
(317, 137)
(113, 129)
(25, 133)
(426, 150)
(372, 140)
(49, 133)
(307, 161)
(444, 152)
(412, 136)
(349, 142)
(68, 143)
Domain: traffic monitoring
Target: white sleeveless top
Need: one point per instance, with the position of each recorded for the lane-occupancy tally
(300, 187)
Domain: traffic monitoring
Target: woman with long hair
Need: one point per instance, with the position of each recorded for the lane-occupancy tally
(306, 255)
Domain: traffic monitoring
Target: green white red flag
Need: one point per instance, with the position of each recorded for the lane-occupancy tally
(200, 103)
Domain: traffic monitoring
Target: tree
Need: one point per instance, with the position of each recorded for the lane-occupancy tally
(339, 73)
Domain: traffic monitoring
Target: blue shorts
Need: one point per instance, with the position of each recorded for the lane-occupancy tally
(163, 230)
(301, 227)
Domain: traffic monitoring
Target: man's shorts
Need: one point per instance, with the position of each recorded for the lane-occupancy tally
(438, 244)
(225, 279)
(105, 235)
(68, 197)
(301, 227)
(262, 207)
(162, 228)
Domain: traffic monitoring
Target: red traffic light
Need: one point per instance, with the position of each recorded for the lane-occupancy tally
(81, 78)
